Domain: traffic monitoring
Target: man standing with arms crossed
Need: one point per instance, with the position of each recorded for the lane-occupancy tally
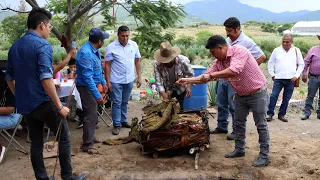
(225, 92)
(121, 56)
(29, 76)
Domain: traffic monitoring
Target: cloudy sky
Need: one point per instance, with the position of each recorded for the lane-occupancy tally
(271, 5)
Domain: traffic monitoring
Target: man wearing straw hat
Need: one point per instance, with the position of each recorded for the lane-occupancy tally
(168, 68)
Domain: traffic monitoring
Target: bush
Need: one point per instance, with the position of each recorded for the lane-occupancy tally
(304, 46)
(5, 46)
(54, 41)
(203, 36)
(3, 56)
(185, 40)
(212, 93)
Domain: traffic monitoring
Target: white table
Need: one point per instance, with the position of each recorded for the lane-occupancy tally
(66, 87)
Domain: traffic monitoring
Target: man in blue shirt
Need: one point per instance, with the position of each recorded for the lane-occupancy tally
(225, 92)
(121, 56)
(29, 76)
(89, 77)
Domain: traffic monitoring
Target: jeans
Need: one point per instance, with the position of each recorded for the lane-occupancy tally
(288, 87)
(90, 117)
(225, 104)
(313, 87)
(46, 113)
(258, 104)
(120, 95)
(9, 121)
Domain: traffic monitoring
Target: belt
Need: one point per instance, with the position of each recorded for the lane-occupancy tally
(316, 76)
(255, 92)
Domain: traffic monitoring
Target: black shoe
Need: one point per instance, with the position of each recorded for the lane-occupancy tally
(80, 125)
(261, 162)
(282, 118)
(218, 131)
(234, 154)
(269, 118)
(231, 136)
(116, 130)
(304, 117)
(125, 125)
(82, 176)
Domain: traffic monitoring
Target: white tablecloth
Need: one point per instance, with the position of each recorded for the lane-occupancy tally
(66, 87)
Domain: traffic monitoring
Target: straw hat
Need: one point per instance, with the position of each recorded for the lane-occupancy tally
(166, 53)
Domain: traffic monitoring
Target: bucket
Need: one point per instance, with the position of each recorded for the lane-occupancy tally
(199, 97)
(135, 95)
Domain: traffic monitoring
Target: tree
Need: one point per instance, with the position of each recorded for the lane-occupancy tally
(71, 13)
(22, 7)
(13, 27)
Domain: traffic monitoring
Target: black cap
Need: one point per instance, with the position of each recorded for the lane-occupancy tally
(97, 34)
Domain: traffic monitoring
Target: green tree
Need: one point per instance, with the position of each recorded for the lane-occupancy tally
(203, 36)
(13, 27)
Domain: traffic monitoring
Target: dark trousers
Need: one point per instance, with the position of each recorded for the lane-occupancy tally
(90, 120)
(313, 87)
(46, 113)
(288, 88)
(180, 98)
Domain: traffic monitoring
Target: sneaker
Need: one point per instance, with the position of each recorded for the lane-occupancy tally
(80, 125)
(76, 118)
(218, 131)
(304, 117)
(269, 118)
(282, 118)
(231, 136)
(116, 130)
(125, 125)
(2, 151)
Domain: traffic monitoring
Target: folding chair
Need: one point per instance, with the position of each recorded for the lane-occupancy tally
(103, 111)
(4, 133)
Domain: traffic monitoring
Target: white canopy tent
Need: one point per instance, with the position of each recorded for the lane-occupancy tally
(306, 28)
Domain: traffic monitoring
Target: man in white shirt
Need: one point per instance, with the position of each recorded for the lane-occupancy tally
(282, 67)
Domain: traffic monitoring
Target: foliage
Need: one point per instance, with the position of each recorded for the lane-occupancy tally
(185, 40)
(54, 41)
(58, 54)
(304, 46)
(3, 56)
(269, 27)
(13, 27)
(284, 27)
(212, 94)
(150, 38)
(5, 46)
(203, 36)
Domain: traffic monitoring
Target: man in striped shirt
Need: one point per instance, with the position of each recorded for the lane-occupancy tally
(238, 66)
(311, 69)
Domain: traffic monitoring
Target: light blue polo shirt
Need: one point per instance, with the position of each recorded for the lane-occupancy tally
(245, 41)
(122, 61)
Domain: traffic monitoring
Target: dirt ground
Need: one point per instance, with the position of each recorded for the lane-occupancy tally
(294, 154)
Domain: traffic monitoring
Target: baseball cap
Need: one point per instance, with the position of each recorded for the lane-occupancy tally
(97, 34)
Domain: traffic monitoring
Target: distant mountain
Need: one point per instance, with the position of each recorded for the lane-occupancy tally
(4, 14)
(217, 11)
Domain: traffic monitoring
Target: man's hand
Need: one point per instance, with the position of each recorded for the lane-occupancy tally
(293, 79)
(58, 86)
(205, 78)
(100, 101)
(182, 82)
(164, 95)
(105, 88)
(188, 93)
(109, 86)
(72, 52)
(305, 78)
(138, 83)
(272, 78)
(64, 112)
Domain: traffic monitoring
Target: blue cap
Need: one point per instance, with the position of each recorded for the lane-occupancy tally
(97, 34)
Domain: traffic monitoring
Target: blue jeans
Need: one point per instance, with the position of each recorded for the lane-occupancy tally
(313, 87)
(9, 121)
(120, 95)
(225, 104)
(278, 85)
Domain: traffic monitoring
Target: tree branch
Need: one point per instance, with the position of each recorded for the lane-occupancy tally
(95, 13)
(69, 4)
(10, 9)
(82, 11)
(129, 12)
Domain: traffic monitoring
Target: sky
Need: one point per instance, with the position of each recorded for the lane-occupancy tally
(271, 5)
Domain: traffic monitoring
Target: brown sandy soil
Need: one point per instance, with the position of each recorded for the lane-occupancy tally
(294, 154)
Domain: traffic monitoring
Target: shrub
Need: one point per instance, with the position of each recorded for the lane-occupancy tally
(212, 93)
(54, 41)
(5, 46)
(185, 40)
(304, 46)
(3, 56)
(203, 36)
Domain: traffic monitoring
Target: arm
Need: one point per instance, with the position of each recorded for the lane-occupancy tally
(10, 73)
(307, 61)
(6, 110)
(261, 59)
(84, 62)
(138, 69)
(64, 62)
(271, 64)
(300, 64)
(11, 84)
(9, 105)
(226, 73)
(159, 82)
(257, 53)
